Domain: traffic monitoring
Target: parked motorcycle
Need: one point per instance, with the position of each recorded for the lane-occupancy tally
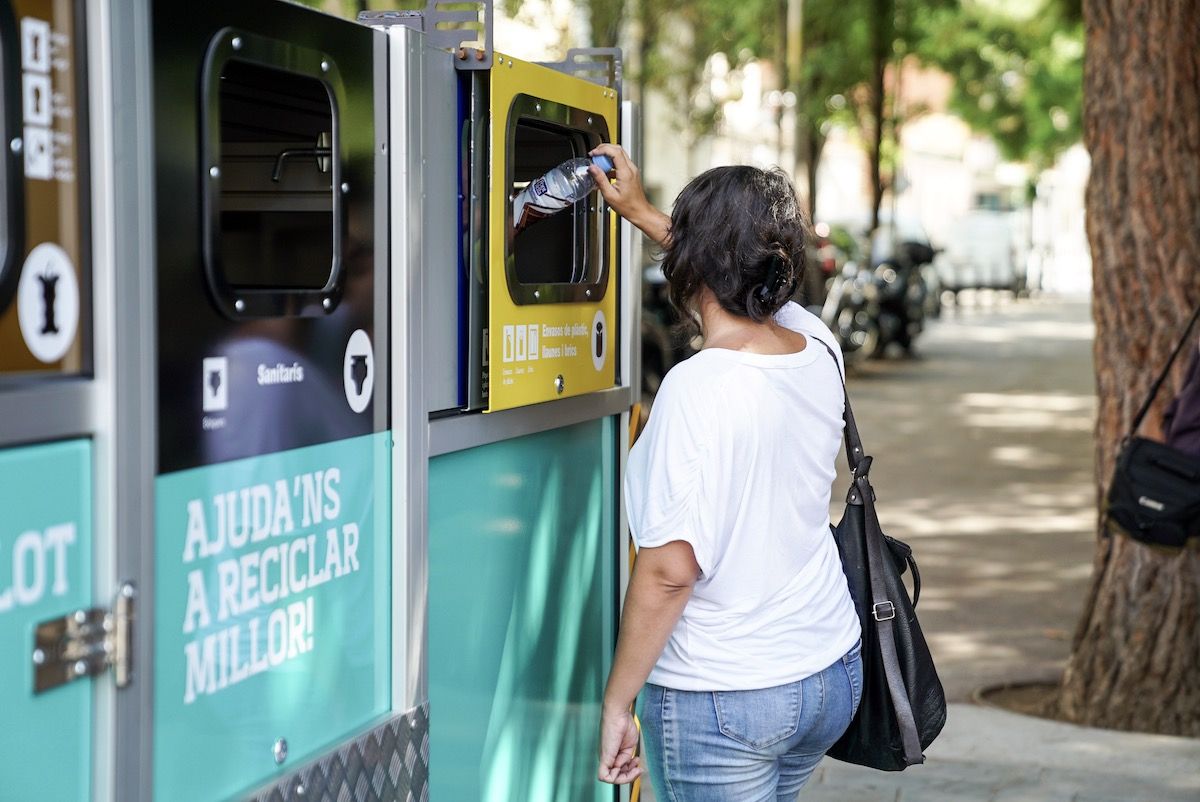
(851, 311)
(899, 275)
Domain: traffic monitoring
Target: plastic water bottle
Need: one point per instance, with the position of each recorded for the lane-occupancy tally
(568, 183)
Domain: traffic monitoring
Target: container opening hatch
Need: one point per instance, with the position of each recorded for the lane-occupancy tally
(272, 167)
(558, 249)
(277, 225)
(560, 258)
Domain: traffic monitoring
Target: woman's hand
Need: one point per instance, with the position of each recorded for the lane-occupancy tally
(626, 197)
(618, 742)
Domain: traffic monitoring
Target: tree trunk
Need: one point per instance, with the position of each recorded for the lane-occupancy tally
(1136, 658)
(882, 22)
(814, 144)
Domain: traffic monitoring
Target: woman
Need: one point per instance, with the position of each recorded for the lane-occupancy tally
(738, 621)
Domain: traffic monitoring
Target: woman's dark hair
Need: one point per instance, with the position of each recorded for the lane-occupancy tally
(738, 231)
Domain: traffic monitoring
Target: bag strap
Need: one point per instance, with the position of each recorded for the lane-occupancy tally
(1162, 377)
(883, 609)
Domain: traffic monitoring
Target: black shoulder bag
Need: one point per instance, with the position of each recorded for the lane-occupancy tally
(903, 706)
(1155, 492)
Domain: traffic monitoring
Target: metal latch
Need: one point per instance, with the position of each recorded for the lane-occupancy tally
(85, 643)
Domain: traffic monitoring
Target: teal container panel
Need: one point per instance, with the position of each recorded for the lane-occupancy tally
(272, 615)
(522, 605)
(45, 572)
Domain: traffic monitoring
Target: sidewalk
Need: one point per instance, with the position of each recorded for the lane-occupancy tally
(989, 755)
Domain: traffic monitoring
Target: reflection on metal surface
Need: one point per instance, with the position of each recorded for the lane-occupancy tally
(517, 680)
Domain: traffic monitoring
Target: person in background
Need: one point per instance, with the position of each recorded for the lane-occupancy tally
(738, 628)
(1181, 421)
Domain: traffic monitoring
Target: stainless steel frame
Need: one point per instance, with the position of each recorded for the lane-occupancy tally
(123, 206)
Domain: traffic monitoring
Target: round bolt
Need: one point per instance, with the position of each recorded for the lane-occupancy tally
(236, 43)
(327, 303)
(537, 293)
(300, 789)
(80, 668)
(538, 106)
(128, 592)
(280, 750)
(80, 616)
(560, 384)
(587, 293)
(590, 120)
(510, 63)
(324, 65)
(39, 657)
(239, 305)
(345, 189)
(16, 145)
(214, 171)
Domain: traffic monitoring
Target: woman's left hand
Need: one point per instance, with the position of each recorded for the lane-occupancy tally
(618, 743)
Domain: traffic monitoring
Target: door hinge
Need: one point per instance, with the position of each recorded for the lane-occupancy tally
(85, 643)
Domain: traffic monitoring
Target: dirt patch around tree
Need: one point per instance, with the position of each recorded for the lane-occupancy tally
(1038, 699)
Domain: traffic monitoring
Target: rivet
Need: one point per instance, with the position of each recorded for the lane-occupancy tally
(239, 305)
(559, 384)
(324, 65)
(127, 591)
(538, 106)
(214, 171)
(589, 120)
(16, 145)
(280, 750)
(510, 63)
(537, 293)
(236, 44)
(80, 668)
(345, 189)
(300, 789)
(327, 303)
(80, 616)
(587, 293)
(39, 657)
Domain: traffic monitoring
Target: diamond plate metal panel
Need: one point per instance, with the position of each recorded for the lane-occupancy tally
(388, 764)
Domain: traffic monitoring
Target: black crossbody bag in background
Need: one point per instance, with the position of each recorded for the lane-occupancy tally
(903, 706)
(1154, 497)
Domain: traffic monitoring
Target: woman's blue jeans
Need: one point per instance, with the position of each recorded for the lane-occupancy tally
(746, 746)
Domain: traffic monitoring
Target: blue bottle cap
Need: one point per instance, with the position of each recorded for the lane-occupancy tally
(603, 162)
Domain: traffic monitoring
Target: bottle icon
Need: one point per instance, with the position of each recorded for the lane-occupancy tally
(49, 283)
(599, 339)
(568, 183)
(358, 372)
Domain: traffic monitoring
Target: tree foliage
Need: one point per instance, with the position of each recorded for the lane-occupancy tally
(1018, 77)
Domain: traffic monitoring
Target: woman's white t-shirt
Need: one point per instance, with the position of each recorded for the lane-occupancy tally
(738, 460)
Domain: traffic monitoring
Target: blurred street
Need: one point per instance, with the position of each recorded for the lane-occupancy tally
(983, 463)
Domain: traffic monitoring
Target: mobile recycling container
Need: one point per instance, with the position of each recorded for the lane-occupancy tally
(309, 466)
(51, 627)
(272, 523)
(518, 365)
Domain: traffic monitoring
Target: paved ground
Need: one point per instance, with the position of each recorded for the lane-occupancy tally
(984, 465)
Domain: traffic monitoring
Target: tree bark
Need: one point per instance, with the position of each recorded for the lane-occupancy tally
(1136, 658)
(882, 28)
(813, 146)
